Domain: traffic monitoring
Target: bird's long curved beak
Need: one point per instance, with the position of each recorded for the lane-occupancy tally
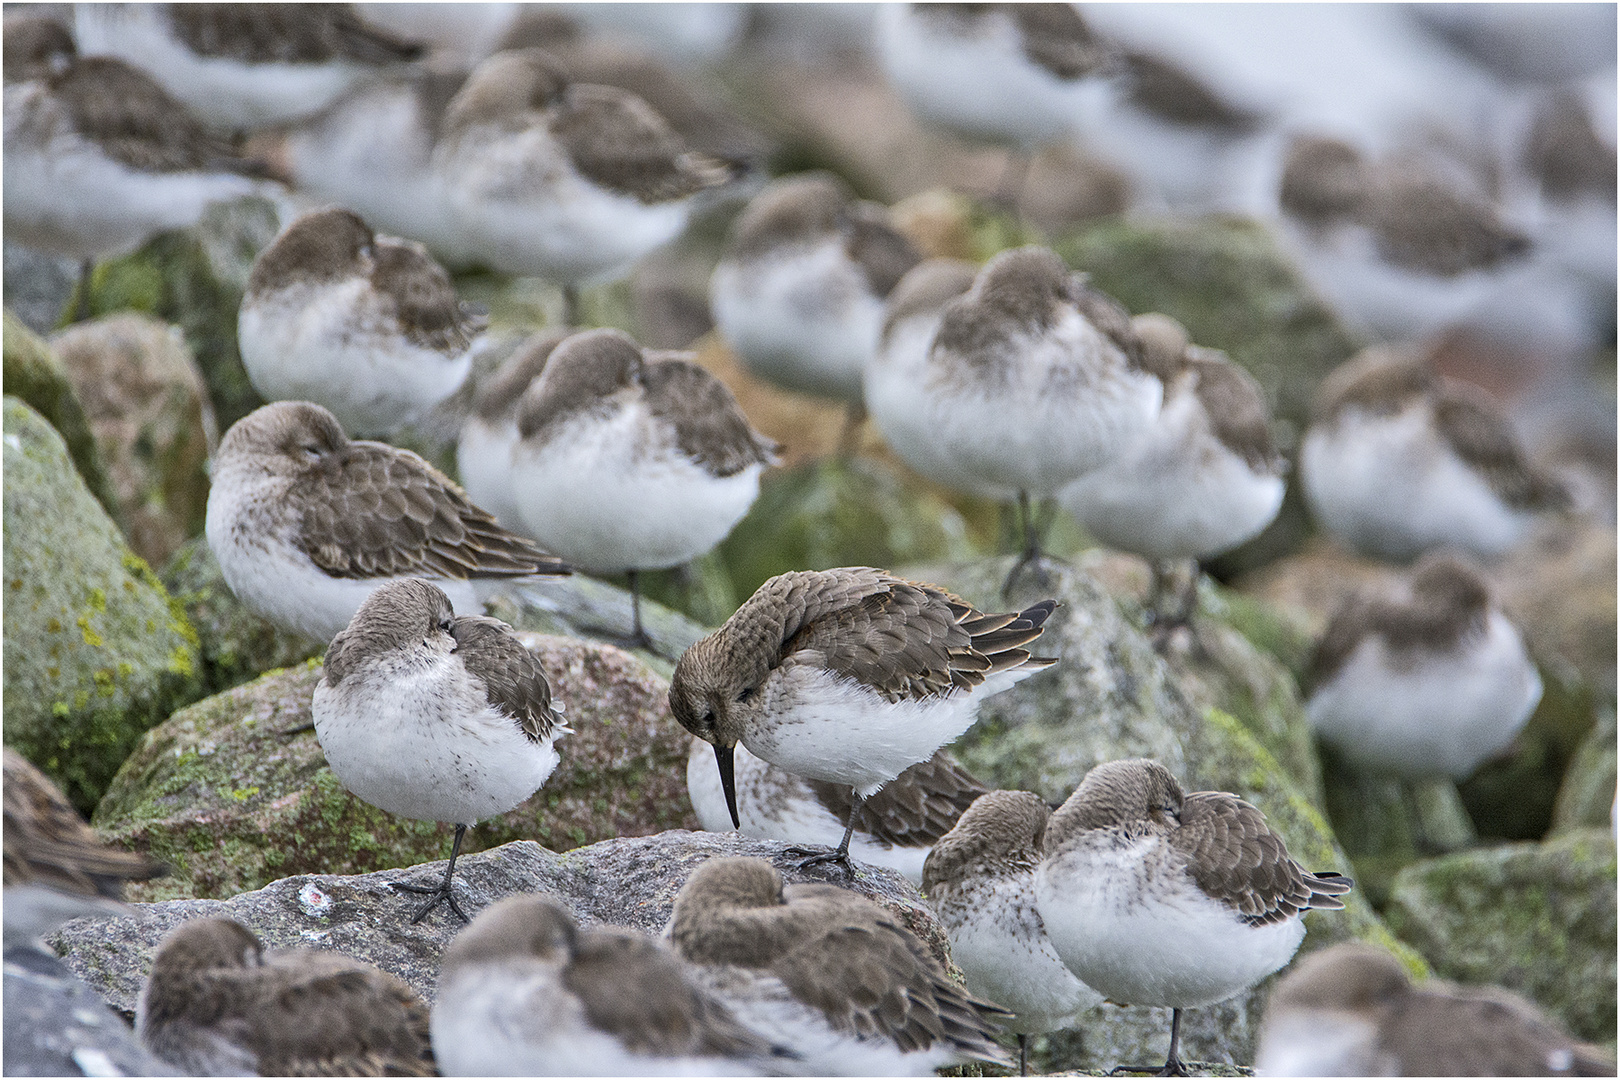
(728, 780)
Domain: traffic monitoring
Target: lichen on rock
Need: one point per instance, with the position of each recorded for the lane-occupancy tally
(96, 651)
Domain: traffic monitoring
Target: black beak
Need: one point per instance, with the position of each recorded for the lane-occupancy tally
(728, 781)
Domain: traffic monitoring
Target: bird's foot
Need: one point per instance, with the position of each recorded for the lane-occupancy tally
(436, 894)
(818, 858)
(288, 733)
(1040, 569)
(1173, 1067)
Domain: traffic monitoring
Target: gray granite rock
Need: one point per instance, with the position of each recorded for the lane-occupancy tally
(622, 882)
(55, 1025)
(37, 285)
(96, 652)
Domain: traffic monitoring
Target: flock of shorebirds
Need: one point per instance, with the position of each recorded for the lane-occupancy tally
(826, 699)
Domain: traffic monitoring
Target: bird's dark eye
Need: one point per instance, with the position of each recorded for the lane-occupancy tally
(708, 719)
(312, 449)
(746, 695)
(444, 624)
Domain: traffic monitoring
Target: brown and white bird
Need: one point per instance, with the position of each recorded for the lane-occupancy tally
(1153, 897)
(56, 868)
(631, 459)
(523, 991)
(848, 676)
(1400, 459)
(434, 716)
(828, 973)
(1204, 478)
(1031, 379)
(1428, 678)
(246, 66)
(368, 326)
(569, 181)
(799, 290)
(98, 157)
(980, 880)
(306, 523)
(896, 828)
(1352, 1010)
(490, 432)
(218, 1004)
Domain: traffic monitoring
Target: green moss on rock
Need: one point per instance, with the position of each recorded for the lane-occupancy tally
(95, 652)
(35, 375)
(1535, 918)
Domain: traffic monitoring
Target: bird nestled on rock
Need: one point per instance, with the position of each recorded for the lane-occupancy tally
(523, 991)
(306, 523)
(1204, 478)
(1352, 1010)
(1400, 459)
(895, 828)
(218, 1004)
(799, 290)
(630, 459)
(848, 676)
(1153, 897)
(980, 879)
(828, 973)
(1428, 678)
(367, 326)
(434, 716)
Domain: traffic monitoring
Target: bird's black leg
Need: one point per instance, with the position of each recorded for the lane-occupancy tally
(1173, 1065)
(1023, 1054)
(440, 893)
(639, 638)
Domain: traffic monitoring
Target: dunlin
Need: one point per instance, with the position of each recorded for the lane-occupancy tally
(799, 290)
(632, 460)
(828, 973)
(895, 828)
(1399, 459)
(1351, 1010)
(490, 432)
(56, 868)
(1019, 75)
(524, 992)
(245, 66)
(569, 181)
(98, 157)
(306, 523)
(1429, 681)
(367, 326)
(1205, 477)
(848, 676)
(217, 1004)
(1032, 379)
(434, 716)
(1152, 897)
(980, 880)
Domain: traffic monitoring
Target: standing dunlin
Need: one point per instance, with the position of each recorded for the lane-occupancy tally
(980, 879)
(1205, 477)
(490, 432)
(570, 181)
(306, 523)
(828, 973)
(525, 992)
(1032, 379)
(367, 326)
(217, 1004)
(245, 66)
(895, 828)
(848, 676)
(799, 290)
(1429, 681)
(632, 460)
(1351, 1010)
(1152, 897)
(435, 717)
(1399, 459)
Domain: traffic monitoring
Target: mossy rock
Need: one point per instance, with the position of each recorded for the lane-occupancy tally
(1587, 796)
(34, 375)
(839, 512)
(194, 278)
(1535, 918)
(237, 643)
(231, 801)
(1110, 696)
(96, 651)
